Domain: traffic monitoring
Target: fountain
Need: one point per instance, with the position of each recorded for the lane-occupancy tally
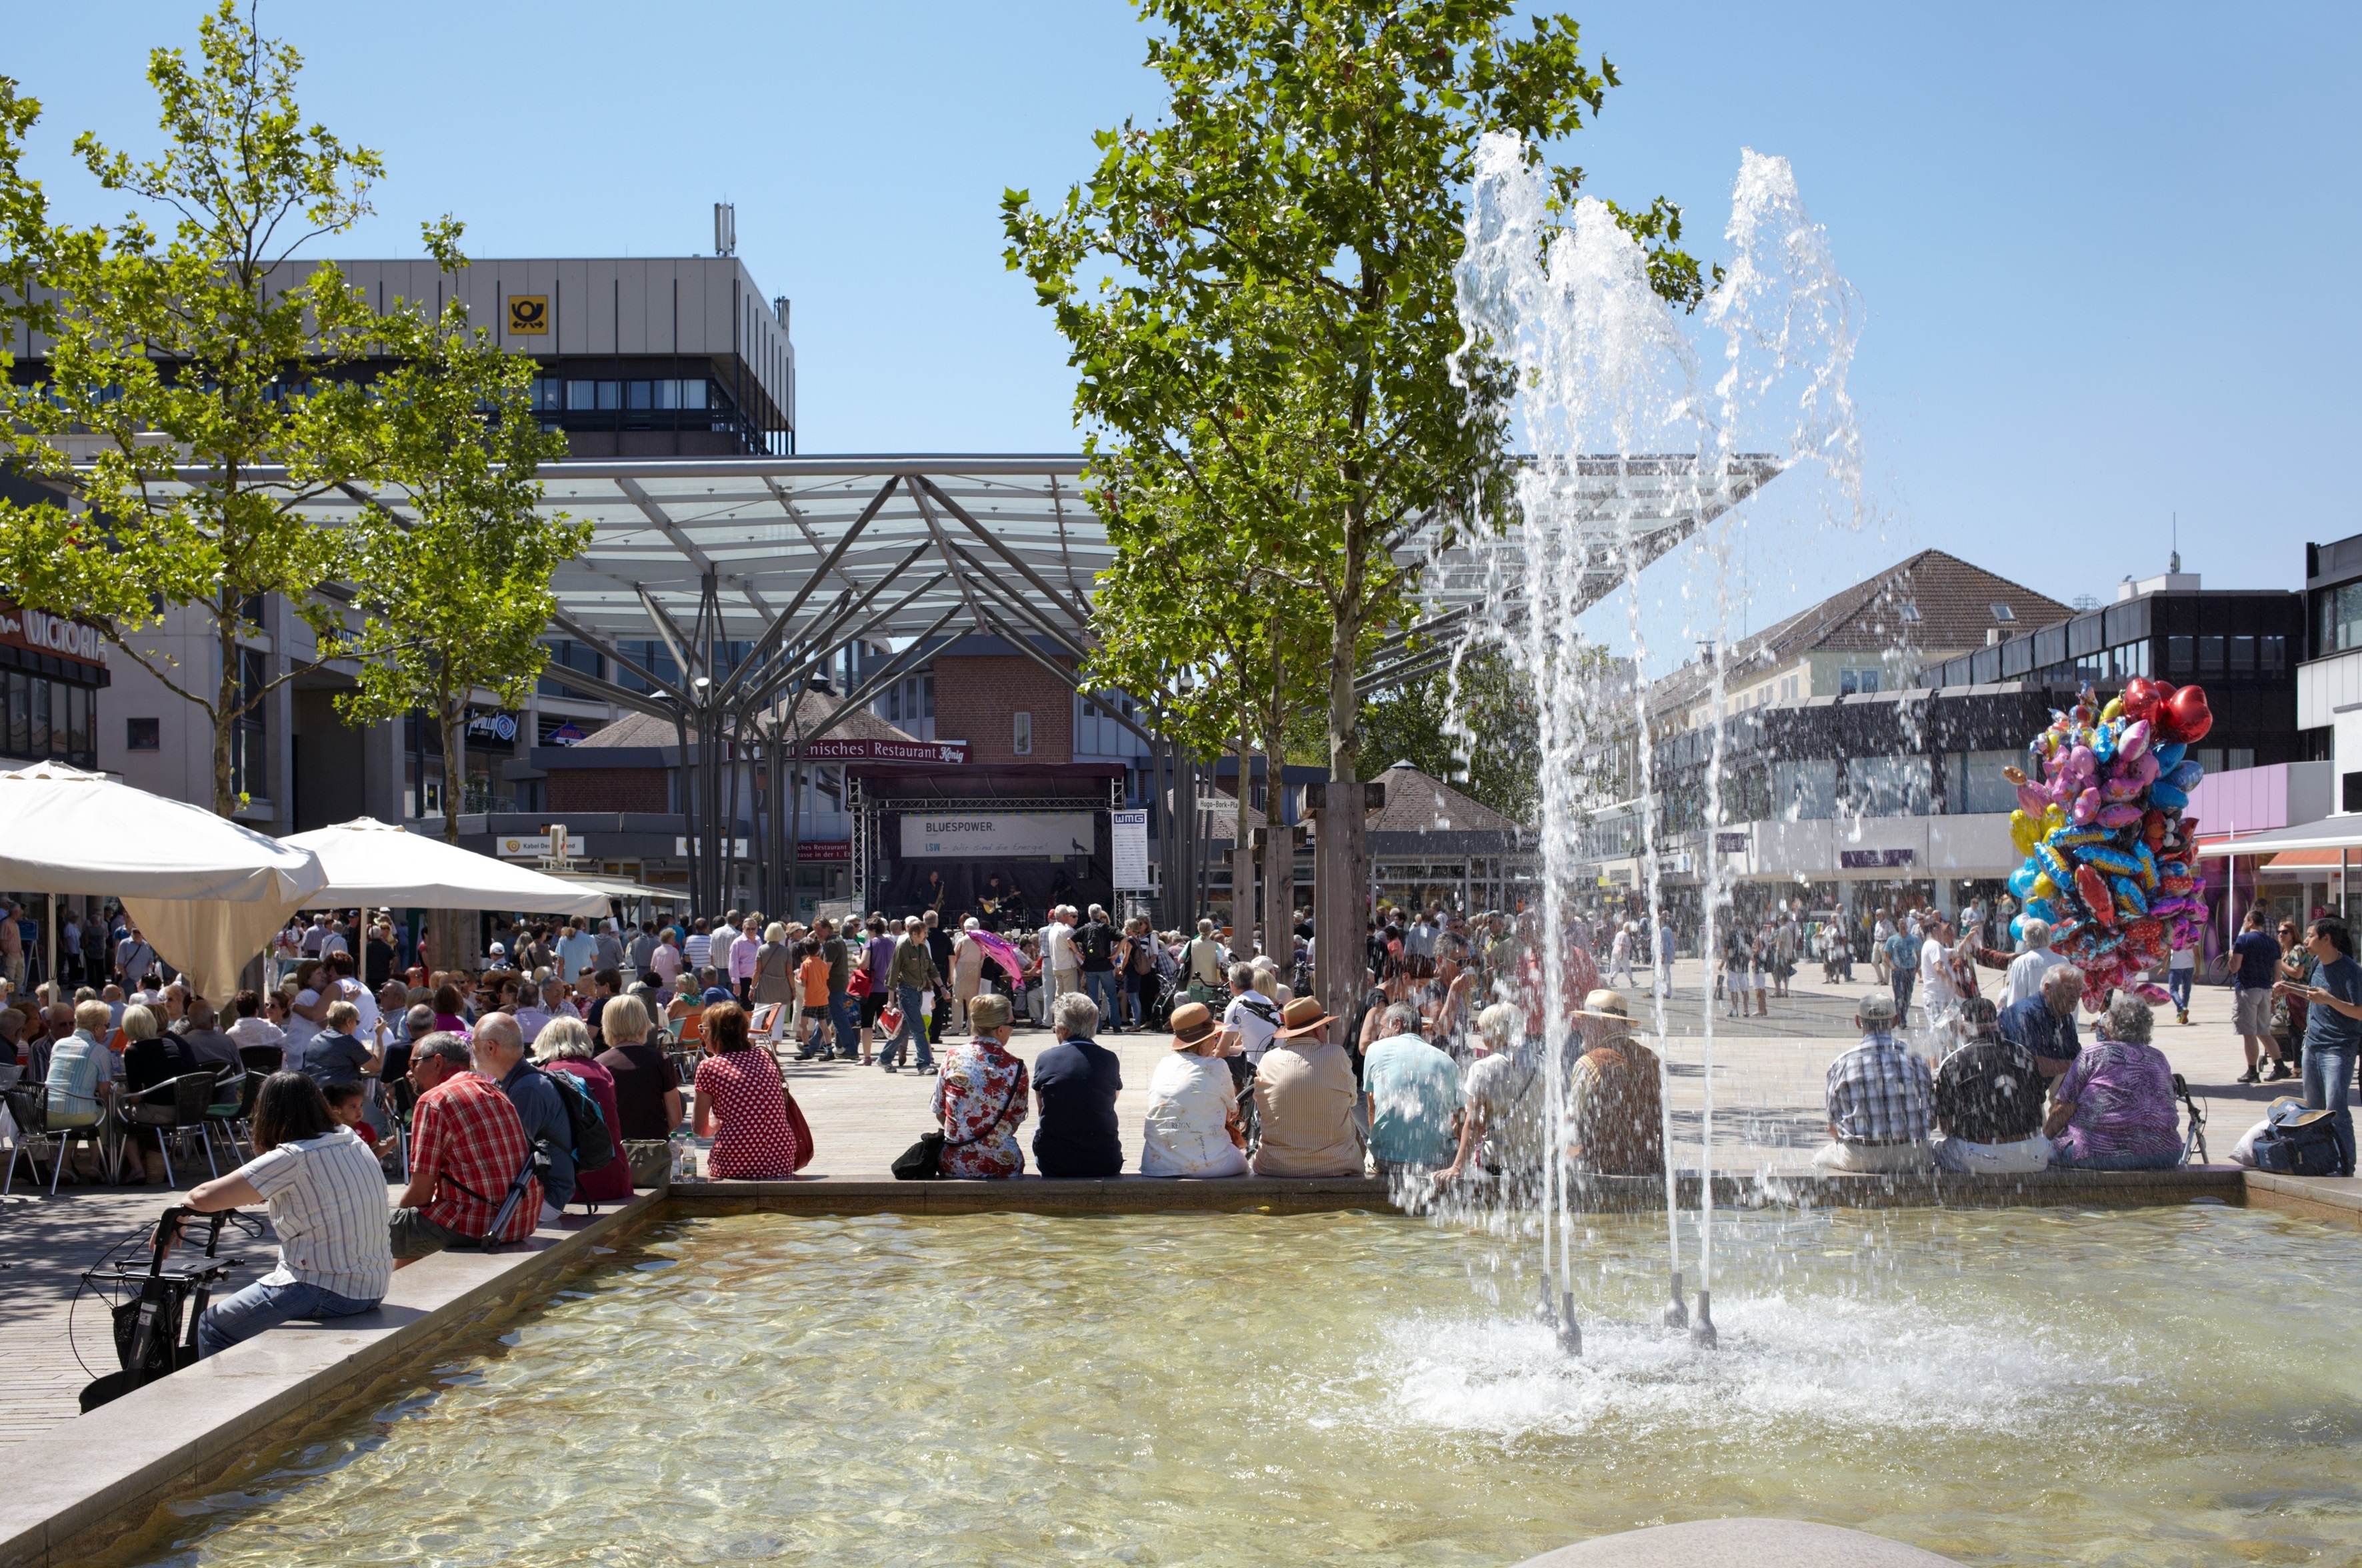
(1630, 454)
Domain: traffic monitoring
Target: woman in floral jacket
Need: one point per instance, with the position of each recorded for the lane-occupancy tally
(981, 1099)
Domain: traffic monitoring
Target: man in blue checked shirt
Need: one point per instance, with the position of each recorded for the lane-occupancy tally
(1881, 1100)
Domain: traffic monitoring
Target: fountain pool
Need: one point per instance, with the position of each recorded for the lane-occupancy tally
(2012, 1385)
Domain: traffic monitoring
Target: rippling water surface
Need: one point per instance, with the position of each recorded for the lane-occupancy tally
(2151, 1387)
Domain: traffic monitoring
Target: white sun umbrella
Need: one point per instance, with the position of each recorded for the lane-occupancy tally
(372, 863)
(205, 892)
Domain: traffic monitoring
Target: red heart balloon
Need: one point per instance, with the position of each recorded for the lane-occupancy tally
(2142, 696)
(2187, 717)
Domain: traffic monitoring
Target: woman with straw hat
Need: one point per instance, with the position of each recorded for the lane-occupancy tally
(1193, 1128)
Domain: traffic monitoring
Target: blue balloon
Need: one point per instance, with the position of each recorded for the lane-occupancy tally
(2021, 881)
(2186, 774)
(2169, 755)
(2017, 928)
(2165, 797)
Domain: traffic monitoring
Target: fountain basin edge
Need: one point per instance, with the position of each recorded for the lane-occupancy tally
(98, 1476)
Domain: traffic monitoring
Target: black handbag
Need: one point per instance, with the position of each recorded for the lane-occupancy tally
(923, 1161)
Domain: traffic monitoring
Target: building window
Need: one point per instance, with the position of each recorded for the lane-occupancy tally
(927, 696)
(565, 653)
(2341, 617)
(2210, 655)
(1850, 681)
(1021, 733)
(2181, 653)
(2274, 655)
(2240, 757)
(143, 734)
(248, 759)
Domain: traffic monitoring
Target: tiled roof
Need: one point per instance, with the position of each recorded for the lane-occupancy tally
(1419, 802)
(1928, 607)
(646, 729)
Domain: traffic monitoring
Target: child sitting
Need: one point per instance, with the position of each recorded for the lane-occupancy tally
(347, 1104)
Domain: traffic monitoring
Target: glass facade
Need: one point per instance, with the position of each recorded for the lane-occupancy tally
(49, 720)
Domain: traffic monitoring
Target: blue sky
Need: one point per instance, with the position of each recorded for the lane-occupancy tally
(2106, 250)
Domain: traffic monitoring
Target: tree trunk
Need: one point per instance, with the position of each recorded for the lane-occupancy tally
(443, 926)
(226, 711)
(1243, 855)
(1340, 921)
(1278, 842)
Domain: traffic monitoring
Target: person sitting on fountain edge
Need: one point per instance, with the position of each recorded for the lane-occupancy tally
(1879, 1097)
(1412, 1093)
(1616, 1122)
(1304, 1100)
(1989, 1101)
(1505, 1127)
(2113, 1109)
(2045, 1022)
(1075, 1084)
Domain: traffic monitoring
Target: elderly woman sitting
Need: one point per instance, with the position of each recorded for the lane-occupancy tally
(565, 1047)
(1194, 1126)
(2114, 1109)
(980, 1099)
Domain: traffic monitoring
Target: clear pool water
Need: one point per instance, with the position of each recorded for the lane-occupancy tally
(2153, 1386)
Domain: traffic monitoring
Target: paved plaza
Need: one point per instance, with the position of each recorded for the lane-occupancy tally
(1767, 1087)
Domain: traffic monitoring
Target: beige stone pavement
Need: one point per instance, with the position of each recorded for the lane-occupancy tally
(1767, 1087)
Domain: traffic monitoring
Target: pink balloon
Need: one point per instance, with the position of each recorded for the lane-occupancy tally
(2087, 807)
(2033, 802)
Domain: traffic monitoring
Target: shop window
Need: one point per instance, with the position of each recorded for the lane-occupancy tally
(143, 734)
(1021, 733)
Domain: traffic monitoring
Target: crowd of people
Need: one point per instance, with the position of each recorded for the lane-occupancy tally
(1439, 1079)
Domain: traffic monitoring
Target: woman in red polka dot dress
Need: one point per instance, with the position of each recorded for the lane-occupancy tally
(740, 1104)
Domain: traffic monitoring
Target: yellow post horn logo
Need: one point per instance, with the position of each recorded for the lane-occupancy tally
(529, 315)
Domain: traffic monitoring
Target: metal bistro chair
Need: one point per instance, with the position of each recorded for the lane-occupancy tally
(398, 1098)
(172, 1109)
(263, 1059)
(30, 1105)
(230, 1107)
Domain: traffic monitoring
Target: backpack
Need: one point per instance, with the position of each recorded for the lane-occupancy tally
(2301, 1144)
(1098, 942)
(593, 1144)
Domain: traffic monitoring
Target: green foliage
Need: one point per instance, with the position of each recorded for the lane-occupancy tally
(1486, 743)
(1273, 332)
(203, 391)
(455, 564)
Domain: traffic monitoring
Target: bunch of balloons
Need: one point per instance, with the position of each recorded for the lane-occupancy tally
(2107, 847)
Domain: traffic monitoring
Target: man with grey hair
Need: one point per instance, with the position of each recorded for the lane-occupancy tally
(1409, 1091)
(1075, 1085)
(1881, 1100)
(2026, 971)
(466, 1147)
(500, 1056)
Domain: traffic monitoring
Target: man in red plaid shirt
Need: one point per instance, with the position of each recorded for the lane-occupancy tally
(466, 1146)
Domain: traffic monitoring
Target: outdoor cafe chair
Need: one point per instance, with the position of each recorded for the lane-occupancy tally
(263, 1059)
(29, 1106)
(230, 1107)
(170, 1110)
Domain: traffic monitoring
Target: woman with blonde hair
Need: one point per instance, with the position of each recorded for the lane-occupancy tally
(565, 1047)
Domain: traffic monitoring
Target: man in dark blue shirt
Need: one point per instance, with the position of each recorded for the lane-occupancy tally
(2045, 1022)
(2333, 1029)
(1076, 1082)
(2251, 995)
